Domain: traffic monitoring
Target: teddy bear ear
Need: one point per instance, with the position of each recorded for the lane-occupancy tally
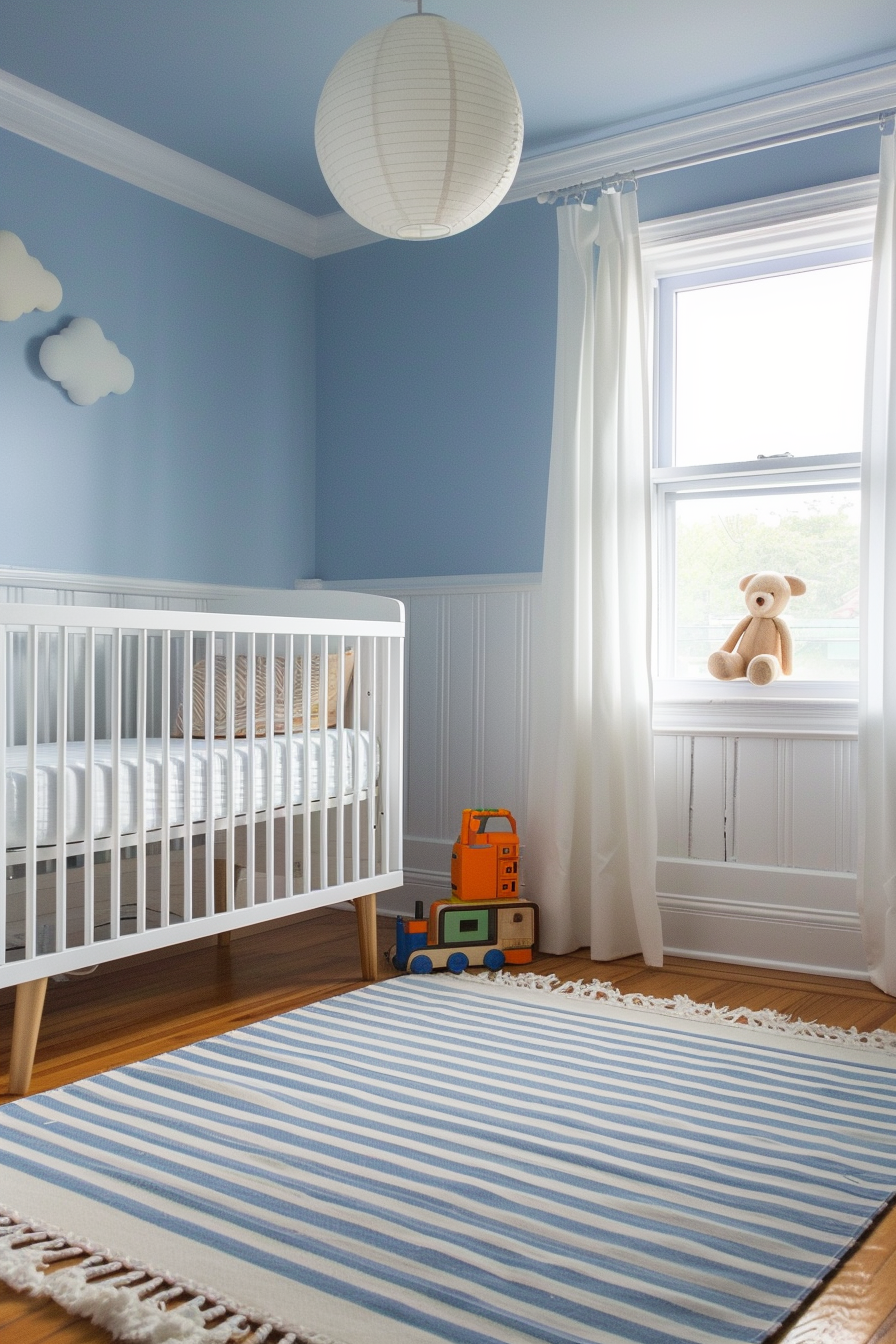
(744, 581)
(797, 586)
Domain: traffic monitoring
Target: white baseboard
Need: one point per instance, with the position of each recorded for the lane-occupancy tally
(809, 890)
(788, 919)
(800, 967)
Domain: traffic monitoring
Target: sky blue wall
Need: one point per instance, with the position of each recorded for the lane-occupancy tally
(205, 469)
(435, 375)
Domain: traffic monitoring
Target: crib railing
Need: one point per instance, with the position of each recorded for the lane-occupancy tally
(164, 775)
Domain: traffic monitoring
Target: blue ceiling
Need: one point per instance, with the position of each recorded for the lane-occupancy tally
(235, 83)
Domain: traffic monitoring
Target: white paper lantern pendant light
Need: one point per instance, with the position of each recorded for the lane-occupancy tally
(419, 129)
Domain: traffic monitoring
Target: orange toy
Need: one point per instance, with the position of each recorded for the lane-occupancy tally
(485, 858)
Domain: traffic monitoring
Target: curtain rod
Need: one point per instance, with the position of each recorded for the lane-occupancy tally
(713, 156)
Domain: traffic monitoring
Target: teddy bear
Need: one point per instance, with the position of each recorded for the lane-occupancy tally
(759, 647)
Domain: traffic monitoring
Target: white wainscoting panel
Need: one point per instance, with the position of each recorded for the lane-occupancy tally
(466, 731)
(467, 722)
(758, 836)
(778, 802)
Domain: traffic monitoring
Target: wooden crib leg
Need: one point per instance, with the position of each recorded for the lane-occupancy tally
(365, 908)
(25, 1028)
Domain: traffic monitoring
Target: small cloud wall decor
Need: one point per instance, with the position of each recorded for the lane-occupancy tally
(86, 364)
(24, 283)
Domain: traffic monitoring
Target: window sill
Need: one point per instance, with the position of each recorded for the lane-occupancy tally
(793, 709)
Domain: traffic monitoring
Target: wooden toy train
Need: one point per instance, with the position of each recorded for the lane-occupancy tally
(458, 935)
(485, 923)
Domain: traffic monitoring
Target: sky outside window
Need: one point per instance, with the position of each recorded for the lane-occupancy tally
(771, 365)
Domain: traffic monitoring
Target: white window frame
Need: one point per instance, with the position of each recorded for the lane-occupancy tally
(791, 230)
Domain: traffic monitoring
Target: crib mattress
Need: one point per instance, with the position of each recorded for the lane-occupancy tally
(222, 786)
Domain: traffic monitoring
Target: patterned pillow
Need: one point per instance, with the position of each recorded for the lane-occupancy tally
(241, 694)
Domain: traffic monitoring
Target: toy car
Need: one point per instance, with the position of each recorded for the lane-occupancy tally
(459, 934)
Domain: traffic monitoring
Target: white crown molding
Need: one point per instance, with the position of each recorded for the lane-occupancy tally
(338, 232)
(800, 109)
(57, 124)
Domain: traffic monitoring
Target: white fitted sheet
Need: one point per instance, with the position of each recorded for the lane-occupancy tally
(47, 770)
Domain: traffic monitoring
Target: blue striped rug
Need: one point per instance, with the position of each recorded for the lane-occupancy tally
(434, 1159)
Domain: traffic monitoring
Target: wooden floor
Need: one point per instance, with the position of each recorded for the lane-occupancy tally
(159, 1001)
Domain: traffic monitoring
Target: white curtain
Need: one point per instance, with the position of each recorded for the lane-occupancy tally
(591, 831)
(877, 692)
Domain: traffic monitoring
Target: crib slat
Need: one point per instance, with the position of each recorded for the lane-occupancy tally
(165, 837)
(142, 640)
(393, 782)
(340, 759)
(4, 658)
(250, 771)
(372, 727)
(188, 776)
(89, 801)
(382, 796)
(31, 815)
(115, 844)
(209, 773)
(356, 759)
(306, 764)
(270, 685)
(288, 781)
(230, 842)
(61, 746)
(324, 781)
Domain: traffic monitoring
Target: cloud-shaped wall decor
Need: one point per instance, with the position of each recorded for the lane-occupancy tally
(86, 364)
(24, 284)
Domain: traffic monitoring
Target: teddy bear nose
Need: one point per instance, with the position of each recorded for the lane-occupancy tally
(760, 601)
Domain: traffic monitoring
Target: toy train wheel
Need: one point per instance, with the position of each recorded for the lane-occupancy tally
(458, 962)
(493, 959)
(420, 965)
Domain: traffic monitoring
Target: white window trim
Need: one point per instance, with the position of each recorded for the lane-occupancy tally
(806, 221)
(809, 220)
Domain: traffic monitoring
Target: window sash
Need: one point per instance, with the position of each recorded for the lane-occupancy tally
(797, 476)
(667, 290)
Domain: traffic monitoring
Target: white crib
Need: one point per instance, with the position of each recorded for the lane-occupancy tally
(169, 775)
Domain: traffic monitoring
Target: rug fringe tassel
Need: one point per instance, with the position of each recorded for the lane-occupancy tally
(128, 1301)
(756, 1019)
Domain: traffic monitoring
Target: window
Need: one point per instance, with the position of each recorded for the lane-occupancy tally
(759, 394)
